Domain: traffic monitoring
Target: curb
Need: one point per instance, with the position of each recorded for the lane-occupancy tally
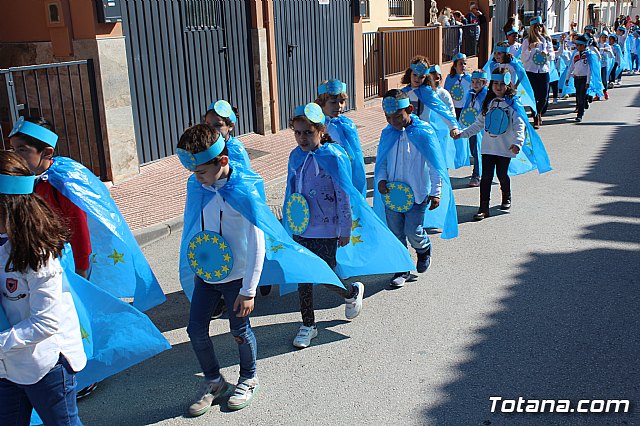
(153, 233)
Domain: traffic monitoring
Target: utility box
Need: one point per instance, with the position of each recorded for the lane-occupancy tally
(109, 11)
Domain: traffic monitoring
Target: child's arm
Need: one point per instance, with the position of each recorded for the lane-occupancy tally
(344, 215)
(475, 128)
(382, 177)
(255, 261)
(45, 299)
(436, 187)
(80, 237)
(519, 127)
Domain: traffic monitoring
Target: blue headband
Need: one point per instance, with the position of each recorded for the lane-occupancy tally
(35, 131)
(17, 185)
(503, 49)
(623, 29)
(505, 78)
(420, 69)
(480, 74)
(435, 69)
(191, 161)
(391, 105)
(223, 109)
(536, 21)
(459, 56)
(333, 87)
(513, 30)
(312, 111)
(584, 43)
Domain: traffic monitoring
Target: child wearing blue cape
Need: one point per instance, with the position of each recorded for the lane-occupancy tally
(472, 107)
(616, 71)
(41, 345)
(583, 68)
(332, 98)
(410, 174)
(223, 117)
(515, 47)
(458, 82)
(607, 62)
(504, 136)
(434, 105)
(104, 249)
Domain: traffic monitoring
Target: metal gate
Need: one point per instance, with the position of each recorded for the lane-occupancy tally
(500, 16)
(184, 54)
(314, 42)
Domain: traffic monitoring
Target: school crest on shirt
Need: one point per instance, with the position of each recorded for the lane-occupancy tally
(11, 284)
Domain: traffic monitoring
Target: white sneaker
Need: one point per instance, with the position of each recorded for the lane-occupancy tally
(209, 391)
(399, 279)
(245, 390)
(353, 306)
(305, 334)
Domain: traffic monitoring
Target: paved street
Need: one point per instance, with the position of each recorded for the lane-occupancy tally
(541, 302)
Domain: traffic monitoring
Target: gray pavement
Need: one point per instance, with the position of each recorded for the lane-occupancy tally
(541, 302)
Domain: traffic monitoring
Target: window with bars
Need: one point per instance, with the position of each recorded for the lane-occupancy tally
(400, 8)
(202, 14)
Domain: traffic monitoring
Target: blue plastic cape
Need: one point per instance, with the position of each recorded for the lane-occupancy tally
(117, 263)
(451, 80)
(523, 85)
(239, 154)
(456, 154)
(424, 138)
(481, 97)
(553, 72)
(569, 89)
(618, 49)
(115, 335)
(595, 85)
(286, 262)
(373, 248)
(626, 54)
(350, 141)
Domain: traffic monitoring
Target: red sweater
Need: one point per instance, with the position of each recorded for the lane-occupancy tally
(76, 220)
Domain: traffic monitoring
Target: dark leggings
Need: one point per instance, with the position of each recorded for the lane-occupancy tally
(554, 89)
(614, 73)
(540, 85)
(603, 75)
(494, 164)
(325, 249)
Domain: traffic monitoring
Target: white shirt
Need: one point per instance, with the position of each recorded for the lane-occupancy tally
(405, 163)
(580, 66)
(425, 114)
(499, 144)
(545, 46)
(466, 86)
(513, 49)
(245, 240)
(44, 322)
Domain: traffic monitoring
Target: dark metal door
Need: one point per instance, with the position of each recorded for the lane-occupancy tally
(184, 54)
(314, 42)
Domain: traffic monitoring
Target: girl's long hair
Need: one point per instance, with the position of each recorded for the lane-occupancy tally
(511, 91)
(320, 128)
(35, 231)
(428, 81)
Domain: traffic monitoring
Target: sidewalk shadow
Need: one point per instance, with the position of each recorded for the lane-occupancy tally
(162, 388)
(466, 213)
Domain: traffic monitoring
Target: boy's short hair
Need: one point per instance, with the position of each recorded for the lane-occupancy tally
(199, 138)
(583, 39)
(30, 140)
(324, 97)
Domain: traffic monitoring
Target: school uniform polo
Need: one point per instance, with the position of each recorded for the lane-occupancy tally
(580, 66)
(45, 323)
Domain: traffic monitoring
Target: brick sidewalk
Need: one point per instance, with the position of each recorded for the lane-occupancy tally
(158, 193)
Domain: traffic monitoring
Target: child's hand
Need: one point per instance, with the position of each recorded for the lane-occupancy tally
(515, 149)
(434, 202)
(382, 187)
(82, 272)
(343, 241)
(243, 306)
(454, 133)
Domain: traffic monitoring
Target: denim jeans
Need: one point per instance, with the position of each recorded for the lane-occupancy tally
(53, 397)
(473, 146)
(204, 301)
(635, 62)
(540, 85)
(408, 226)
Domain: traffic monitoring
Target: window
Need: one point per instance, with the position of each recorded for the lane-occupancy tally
(400, 8)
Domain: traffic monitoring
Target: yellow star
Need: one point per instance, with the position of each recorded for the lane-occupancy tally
(191, 255)
(199, 271)
(305, 210)
(392, 185)
(194, 264)
(356, 239)
(192, 245)
(387, 198)
(277, 248)
(225, 268)
(84, 334)
(215, 239)
(407, 190)
(206, 237)
(223, 246)
(199, 239)
(355, 224)
(208, 276)
(392, 206)
(116, 257)
(218, 274)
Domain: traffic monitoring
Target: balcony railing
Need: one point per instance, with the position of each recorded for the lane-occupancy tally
(459, 39)
(400, 8)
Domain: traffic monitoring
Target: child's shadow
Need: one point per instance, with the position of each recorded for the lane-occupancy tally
(163, 387)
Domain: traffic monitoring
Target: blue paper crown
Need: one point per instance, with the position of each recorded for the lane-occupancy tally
(505, 78)
(312, 111)
(480, 74)
(223, 109)
(333, 87)
(536, 21)
(391, 105)
(513, 30)
(459, 56)
(623, 29)
(35, 131)
(584, 43)
(503, 49)
(435, 69)
(420, 69)
(191, 161)
(17, 185)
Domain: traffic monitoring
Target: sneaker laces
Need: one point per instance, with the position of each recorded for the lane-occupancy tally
(304, 332)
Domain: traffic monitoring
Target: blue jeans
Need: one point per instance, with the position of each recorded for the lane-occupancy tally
(204, 301)
(473, 146)
(635, 62)
(53, 397)
(408, 226)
